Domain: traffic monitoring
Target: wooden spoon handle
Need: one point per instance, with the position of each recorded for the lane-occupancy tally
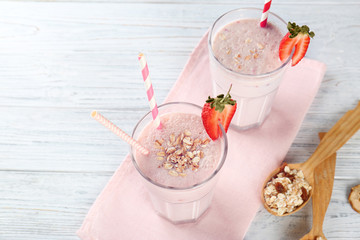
(323, 184)
(337, 136)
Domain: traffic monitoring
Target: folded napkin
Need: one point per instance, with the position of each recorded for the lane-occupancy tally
(124, 211)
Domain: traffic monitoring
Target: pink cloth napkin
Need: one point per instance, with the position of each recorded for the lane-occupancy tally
(123, 210)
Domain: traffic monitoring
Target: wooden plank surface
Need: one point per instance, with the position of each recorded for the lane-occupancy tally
(61, 59)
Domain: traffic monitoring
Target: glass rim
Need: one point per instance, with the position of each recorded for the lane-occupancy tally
(211, 176)
(237, 73)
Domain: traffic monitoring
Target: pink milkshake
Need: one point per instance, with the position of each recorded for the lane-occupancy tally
(181, 153)
(180, 172)
(245, 55)
(244, 47)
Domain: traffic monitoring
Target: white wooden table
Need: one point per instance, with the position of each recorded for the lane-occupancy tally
(59, 60)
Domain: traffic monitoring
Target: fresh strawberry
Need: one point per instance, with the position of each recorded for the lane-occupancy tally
(218, 110)
(298, 37)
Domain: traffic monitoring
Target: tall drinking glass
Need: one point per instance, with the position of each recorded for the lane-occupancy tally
(185, 203)
(254, 93)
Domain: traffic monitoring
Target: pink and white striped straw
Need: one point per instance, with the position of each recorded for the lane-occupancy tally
(149, 90)
(264, 15)
(101, 119)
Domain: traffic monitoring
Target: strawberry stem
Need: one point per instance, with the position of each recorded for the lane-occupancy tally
(220, 101)
(228, 93)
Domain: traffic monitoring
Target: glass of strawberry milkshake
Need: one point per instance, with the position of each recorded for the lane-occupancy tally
(247, 56)
(182, 168)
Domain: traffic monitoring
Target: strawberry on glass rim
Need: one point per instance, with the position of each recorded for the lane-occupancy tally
(298, 37)
(218, 110)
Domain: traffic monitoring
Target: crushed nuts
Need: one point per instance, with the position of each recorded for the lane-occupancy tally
(236, 60)
(248, 40)
(205, 141)
(170, 150)
(161, 154)
(188, 141)
(173, 173)
(260, 46)
(157, 144)
(180, 153)
(286, 191)
(187, 133)
(222, 36)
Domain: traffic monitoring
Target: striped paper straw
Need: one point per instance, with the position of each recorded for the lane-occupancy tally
(264, 15)
(149, 90)
(101, 119)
